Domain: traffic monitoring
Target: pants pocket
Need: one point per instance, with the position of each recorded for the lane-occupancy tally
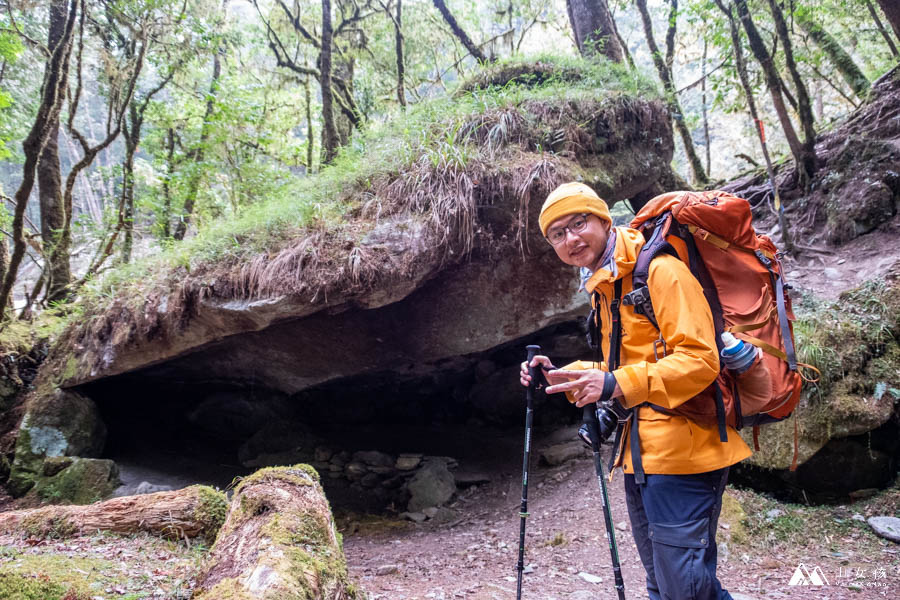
(680, 559)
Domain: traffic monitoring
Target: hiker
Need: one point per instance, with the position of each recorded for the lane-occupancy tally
(675, 468)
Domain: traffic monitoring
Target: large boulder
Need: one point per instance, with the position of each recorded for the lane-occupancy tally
(432, 485)
(58, 423)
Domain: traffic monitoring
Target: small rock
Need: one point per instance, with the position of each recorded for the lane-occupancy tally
(374, 458)
(590, 578)
(382, 470)
(470, 478)
(560, 453)
(323, 454)
(769, 563)
(621, 526)
(831, 273)
(858, 517)
(528, 569)
(773, 514)
(386, 570)
(413, 516)
(145, 487)
(886, 527)
(863, 493)
(370, 480)
(355, 470)
(430, 511)
(407, 462)
(841, 261)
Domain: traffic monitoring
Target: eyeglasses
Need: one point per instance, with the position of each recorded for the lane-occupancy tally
(557, 235)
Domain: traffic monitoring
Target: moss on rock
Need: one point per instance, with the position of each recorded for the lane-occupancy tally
(82, 481)
(57, 423)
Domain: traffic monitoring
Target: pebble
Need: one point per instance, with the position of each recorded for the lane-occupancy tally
(621, 525)
(413, 516)
(831, 273)
(886, 527)
(858, 517)
(386, 570)
(590, 578)
(771, 515)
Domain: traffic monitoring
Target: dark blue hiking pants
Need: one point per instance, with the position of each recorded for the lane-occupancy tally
(674, 520)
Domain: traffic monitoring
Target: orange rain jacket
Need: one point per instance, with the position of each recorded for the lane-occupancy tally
(670, 444)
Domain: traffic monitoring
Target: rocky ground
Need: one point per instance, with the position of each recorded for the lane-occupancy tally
(474, 555)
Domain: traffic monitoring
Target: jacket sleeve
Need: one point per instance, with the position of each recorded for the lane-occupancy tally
(685, 321)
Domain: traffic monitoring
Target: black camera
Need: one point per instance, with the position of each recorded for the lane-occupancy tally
(608, 418)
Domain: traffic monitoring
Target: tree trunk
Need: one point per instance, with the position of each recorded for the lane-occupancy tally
(804, 106)
(884, 32)
(594, 29)
(196, 511)
(329, 132)
(310, 136)
(706, 138)
(199, 152)
(398, 42)
(891, 9)
(459, 32)
(49, 177)
(278, 541)
(671, 28)
(844, 63)
(53, 91)
(741, 67)
(167, 184)
(775, 86)
(697, 170)
(132, 133)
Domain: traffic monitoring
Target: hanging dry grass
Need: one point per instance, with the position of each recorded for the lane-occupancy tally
(441, 204)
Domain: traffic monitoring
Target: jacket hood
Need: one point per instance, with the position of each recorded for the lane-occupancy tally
(628, 243)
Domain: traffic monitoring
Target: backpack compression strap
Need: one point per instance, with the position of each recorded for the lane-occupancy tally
(639, 296)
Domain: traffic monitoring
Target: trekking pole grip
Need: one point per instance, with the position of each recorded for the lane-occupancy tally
(532, 350)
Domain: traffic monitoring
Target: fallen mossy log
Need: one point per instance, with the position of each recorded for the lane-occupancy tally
(278, 541)
(195, 511)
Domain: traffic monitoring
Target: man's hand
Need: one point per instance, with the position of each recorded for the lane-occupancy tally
(586, 385)
(543, 361)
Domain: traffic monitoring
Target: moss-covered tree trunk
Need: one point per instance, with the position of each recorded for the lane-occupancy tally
(594, 29)
(196, 511)
(844, 63)
(665, 75)
(50, 190)
(53, 91)
(804, 106)
(197, 155)
(329, 130)
(805, 168)
(459, 32)
(278, 542)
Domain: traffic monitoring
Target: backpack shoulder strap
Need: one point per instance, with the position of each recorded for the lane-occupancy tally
(656, 244)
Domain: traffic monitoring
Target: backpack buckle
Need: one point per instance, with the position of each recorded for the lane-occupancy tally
(656, 344)
(636, 297)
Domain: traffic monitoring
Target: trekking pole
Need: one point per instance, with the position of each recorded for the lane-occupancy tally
(590, 420)
(523, 511)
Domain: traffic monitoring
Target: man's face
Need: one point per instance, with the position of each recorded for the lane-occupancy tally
(581, 239)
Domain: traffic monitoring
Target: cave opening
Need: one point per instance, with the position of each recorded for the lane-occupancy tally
(367, 435)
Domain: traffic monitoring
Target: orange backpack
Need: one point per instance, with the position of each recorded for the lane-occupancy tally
(742, 279)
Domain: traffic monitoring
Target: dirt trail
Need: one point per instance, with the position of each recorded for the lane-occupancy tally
(475, 556)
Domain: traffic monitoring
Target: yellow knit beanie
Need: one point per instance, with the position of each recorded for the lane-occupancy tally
(572, 198)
